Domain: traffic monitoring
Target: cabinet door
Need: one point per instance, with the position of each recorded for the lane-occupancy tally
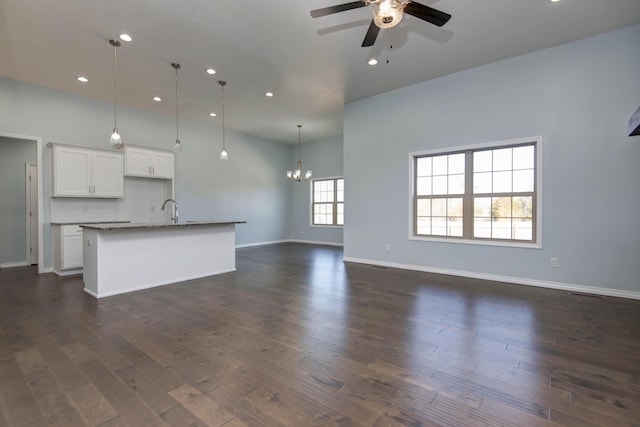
(106, 174)
(162, 165)
(71, 172)
(137, 162)
(71, 252)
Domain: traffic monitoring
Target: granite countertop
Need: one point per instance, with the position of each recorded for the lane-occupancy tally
(88, 222)
(114, 226)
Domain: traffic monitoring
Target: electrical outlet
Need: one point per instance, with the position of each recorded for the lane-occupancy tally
(387, 247)
(554, 262)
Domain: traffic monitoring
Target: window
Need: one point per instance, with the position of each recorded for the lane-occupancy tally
(327, 202)
(484, 193)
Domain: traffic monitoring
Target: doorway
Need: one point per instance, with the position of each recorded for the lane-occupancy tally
(21, 219)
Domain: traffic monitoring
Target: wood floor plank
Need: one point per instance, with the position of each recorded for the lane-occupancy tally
(53, 402)
(92, 405)
(201, 406)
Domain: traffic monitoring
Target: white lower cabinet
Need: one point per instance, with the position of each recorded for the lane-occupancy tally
(67, 248)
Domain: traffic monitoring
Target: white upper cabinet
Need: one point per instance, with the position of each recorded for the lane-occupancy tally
(84, 172)
(147, 162)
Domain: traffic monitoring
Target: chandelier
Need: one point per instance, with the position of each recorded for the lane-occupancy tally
(297, 174)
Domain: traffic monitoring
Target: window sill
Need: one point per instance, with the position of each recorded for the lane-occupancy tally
(523, 245)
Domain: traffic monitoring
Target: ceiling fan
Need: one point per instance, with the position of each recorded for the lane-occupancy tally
(387, 14)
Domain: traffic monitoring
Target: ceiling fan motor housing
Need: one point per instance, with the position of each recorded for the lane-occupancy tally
(387, 13)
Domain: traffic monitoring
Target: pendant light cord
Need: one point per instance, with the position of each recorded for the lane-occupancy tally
(222, 84)
(299, 127)
(176, 67)
(115, 45)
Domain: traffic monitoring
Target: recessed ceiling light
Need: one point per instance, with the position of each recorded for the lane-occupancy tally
(372, 61)
(554, 1)
(157, 98)
(83, 79)
(125, 37)
(211, 71)
(269, 94)
(212, 114)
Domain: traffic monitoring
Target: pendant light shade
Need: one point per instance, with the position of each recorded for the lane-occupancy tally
(297, 175)
(116, 139)
(224, 155)
(178, 146)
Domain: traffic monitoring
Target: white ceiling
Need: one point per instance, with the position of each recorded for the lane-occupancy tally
(314, 66)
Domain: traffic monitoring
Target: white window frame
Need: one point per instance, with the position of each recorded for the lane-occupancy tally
(488, 242)
(311, 224)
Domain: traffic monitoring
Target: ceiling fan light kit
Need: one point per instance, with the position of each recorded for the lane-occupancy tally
(387, 14)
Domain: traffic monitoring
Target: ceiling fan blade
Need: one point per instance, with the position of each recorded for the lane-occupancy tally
(372, 34)
(427, 13)
(337, 8)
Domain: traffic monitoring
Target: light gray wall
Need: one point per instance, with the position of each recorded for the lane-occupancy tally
(14, 155)
(577, 97)
(249, 186)
(324, 158)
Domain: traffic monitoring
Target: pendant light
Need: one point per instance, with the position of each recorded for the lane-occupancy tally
(297, 175)
(116, 139)
(223, 154)
(178, 146)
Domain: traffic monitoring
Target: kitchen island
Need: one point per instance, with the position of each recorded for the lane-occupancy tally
(127, 257)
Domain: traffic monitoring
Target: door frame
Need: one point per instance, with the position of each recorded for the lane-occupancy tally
(30, 208)
(39, 165)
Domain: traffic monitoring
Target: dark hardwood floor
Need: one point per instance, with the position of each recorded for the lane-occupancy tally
(296, 337)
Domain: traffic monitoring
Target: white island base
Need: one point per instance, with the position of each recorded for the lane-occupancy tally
(120, 258)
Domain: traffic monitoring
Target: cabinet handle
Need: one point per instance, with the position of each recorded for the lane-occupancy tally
(153, 170)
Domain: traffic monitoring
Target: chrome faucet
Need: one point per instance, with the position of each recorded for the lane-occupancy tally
(175, 205)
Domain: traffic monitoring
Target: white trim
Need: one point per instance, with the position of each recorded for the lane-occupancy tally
(278, 242)
(46, 270)
(154, 285)
(313, 242)
(250, 245)
(67, 272)
(40, 166)
(538, 243)
(14, 264)
(507, 279)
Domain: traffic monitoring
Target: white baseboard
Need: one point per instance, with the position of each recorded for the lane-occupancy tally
(313, 242)
(67, 272)
(14, 264)
(249, 245)
(277, 242)
(46, 270)
(619, 293)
